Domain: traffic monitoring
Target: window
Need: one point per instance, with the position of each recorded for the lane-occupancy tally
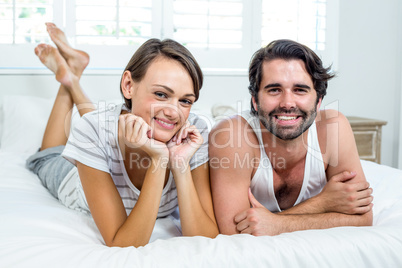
(113, 22)
(220, 33)
(301, 20)
(22, 21)
(208, 24)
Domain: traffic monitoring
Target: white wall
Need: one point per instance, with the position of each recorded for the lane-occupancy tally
(368, 84)
(399, 55)
(369, 67)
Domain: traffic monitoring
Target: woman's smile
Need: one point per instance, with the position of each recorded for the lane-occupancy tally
(164, 123)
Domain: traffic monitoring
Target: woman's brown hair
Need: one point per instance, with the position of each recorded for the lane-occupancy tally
(170, 49)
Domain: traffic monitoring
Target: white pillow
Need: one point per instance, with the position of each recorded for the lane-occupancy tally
(24, 122)
(25, 119)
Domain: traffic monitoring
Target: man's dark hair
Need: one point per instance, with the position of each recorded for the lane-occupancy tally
(288, 50)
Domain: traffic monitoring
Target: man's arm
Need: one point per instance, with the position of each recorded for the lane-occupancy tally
(341, 194)
(347, 191)
(337, 141)
(340, 152)
(230, 171)
(260, 221)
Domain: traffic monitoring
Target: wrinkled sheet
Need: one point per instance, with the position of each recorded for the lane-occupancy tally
(37, 231)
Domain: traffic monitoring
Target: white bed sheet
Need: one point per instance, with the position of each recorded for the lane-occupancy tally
(37, 231)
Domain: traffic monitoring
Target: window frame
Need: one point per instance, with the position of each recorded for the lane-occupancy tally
(106, 59)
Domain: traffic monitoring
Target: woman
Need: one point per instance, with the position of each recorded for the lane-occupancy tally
(136, 161)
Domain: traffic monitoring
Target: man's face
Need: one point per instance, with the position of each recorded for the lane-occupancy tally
(287, 101)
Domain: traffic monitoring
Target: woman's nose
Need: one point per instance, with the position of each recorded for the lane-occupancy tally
(171, 110)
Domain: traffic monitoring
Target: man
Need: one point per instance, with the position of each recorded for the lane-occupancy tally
(284, 166)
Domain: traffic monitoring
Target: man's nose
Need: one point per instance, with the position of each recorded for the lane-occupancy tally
(287, 101)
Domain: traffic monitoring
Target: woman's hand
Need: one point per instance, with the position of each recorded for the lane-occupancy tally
(182, 147)
(136, 133)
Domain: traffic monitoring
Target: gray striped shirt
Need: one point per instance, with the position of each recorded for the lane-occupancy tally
(94, 143)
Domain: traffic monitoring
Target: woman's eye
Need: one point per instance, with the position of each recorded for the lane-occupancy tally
(187, 102)
(160, 95)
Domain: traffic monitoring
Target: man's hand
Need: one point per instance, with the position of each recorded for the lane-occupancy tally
(257, 220)
(343, 195)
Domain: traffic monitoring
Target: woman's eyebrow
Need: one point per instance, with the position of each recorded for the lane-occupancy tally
(165, 87)
(172, 91)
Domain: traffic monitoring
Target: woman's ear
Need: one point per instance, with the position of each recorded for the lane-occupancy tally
(127, 85)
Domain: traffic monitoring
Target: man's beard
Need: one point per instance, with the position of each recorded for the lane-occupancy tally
(284, 132)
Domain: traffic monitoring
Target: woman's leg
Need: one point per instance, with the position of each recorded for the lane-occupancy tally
(68, 64)
(48, 164)
(76, 59)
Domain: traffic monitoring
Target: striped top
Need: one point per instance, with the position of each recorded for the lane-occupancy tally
(94, 143)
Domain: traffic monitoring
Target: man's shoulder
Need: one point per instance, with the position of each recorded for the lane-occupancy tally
(234, 132)
(333, 131)
(234, 125)
(325, 118)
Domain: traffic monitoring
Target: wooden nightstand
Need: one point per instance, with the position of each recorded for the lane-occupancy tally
(368, 137)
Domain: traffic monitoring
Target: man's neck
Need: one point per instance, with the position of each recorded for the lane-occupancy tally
(284, 154)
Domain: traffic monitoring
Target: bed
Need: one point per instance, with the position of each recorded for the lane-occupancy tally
(38, 231)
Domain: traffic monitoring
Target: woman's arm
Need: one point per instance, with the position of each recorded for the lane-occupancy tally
(193, 189)
(105, 202)
(195, 202)
(108, 211)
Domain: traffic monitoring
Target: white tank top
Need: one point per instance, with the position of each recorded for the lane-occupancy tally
(262, 183)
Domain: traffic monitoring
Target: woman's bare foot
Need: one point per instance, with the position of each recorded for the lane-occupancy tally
(76, 59)
(52, 59)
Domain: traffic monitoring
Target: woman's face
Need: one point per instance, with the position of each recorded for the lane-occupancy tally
(163, 98)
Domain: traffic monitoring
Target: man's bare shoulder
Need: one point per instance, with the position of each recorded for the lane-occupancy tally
(231, 122)
(234, 132)
(329, 117)
(334, 132)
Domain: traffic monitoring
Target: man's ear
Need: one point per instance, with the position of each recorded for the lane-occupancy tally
(127, 85)
(254, 103)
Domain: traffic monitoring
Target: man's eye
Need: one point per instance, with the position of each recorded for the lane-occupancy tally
(273, 90)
